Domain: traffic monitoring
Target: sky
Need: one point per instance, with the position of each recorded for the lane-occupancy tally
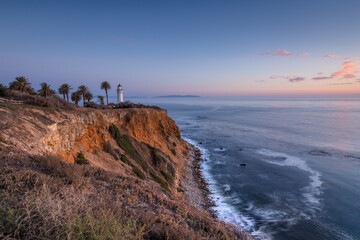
(207, 48)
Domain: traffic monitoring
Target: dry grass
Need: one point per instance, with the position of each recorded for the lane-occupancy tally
(53, 101)
(44, 198)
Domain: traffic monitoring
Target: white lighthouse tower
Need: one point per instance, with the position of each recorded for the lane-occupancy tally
(120, 97)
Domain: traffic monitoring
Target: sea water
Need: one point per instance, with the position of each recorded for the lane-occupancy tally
(301, 178)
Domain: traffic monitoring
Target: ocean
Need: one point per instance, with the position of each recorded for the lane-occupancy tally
(301, 178)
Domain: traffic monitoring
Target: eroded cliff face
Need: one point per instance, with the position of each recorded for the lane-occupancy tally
(129, 144)
(147, 144)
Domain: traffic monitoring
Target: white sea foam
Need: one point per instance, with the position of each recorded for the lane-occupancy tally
(227, 187)
(314, 189)
(224, 208)
(220, 149)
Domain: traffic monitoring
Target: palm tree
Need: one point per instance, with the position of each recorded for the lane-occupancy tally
(106, 85)
(64, 90)
(83, 90)
(76, 97)
(88, 96)
(45, 90)
(101, 99)
(21, 84)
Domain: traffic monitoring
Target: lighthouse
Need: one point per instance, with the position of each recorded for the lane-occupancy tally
(120, 97)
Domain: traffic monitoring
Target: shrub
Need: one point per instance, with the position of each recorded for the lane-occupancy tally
(173, 152)
(138, 172)
(156, 158)
(129, 104)
(159, 180)
(171, 169)
(53, 101)
(3, 91)
(125, 159)
(109, 149)
(167, 177)
(80, 159)
(124, 142)
(38, 202)
(2, 139)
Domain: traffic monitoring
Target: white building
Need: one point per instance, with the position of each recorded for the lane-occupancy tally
(120, 97)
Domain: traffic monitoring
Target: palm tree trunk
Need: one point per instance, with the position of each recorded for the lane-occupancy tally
(64, 95)
(84, 99)
(67, 96)
(107, 99)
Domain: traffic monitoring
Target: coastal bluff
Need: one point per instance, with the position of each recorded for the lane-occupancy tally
(135, 163)
(36, 130)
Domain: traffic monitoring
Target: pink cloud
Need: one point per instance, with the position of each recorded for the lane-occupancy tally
(347, 68)
(339, 57)
(349, 76)
(304, 54)
(281, 53)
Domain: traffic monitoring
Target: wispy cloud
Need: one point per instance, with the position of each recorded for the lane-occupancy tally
(297, 79)
(291, 79)
(281, 53)
(321, 78)
(347, 68)
(260, 81)
(347, 72)
(340, 57)
(347, 76)
(348, 83)
(279, 77)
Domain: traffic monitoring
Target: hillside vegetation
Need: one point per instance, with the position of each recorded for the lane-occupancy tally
(96, 174)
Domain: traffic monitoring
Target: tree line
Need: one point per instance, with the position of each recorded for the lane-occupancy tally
(22, 84)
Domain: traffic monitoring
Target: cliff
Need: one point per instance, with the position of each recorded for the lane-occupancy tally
(140, 150)
(147, 138)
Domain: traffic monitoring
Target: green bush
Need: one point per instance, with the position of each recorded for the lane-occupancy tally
(138, 172)
(159, 180)
(125, 159)
(156, 158)
(80, 159)
(122, 140)
(167, 177)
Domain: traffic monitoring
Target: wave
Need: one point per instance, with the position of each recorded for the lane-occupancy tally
(314, 189)
(224, 207)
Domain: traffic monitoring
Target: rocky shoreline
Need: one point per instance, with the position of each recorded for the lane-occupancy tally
(196, 188)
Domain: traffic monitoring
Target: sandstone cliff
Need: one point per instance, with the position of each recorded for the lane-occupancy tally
(149, 142)
(137, 159)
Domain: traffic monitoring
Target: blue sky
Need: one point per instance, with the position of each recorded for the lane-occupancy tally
(227, 48)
